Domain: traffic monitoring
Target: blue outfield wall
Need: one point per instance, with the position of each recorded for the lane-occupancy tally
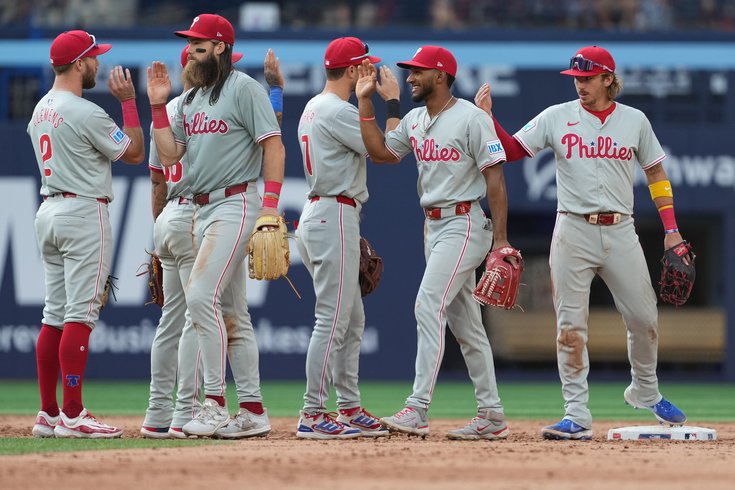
(687, 92)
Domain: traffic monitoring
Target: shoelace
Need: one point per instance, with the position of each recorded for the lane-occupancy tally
(405, 411)
(94, 419)
(368, 414)
(331, 417)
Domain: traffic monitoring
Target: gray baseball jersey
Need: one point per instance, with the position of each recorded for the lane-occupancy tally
(451, 152)
(329, 245)
(595, 165)
(333, 151)
(74, 141)
(578, 138)
(460, 143)
(222, 139)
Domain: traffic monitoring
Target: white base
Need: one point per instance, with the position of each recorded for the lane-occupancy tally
(661, 432)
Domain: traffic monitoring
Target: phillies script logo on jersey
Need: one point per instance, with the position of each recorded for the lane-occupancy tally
(201, 124)
(605, 147)
(432, 152)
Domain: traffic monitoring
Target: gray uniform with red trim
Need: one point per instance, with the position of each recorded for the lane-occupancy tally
(450, 156)
(329, 245)
(595, 165)
(74, 141)
(222, 145)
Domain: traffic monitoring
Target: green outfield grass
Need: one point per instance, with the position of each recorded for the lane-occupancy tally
(702, 403)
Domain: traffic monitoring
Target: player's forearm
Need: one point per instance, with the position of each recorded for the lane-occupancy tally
(274, 158)
(135, 153)
(169, 152)
(158, 193)
(662, 195)
(497, 200)
(372, 136)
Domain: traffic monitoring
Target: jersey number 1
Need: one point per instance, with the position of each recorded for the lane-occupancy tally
(44, 144)
(307, 156)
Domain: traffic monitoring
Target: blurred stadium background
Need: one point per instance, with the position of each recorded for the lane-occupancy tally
(676, 57)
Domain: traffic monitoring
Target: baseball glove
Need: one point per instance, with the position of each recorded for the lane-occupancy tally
(154, 269)
(268, 249)
(677, 277)
(371, 268)
(110, 288)
(499, 284)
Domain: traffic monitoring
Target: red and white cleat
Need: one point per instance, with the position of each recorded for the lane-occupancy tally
(85, 426)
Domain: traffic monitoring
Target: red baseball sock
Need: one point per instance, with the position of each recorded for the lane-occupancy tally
(73, 353)
(47, 364)
(219, 399)
(254, 407)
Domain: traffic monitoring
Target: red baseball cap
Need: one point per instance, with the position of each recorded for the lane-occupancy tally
(210, 26)
(70, 46)
(589, 61)
(347, 51)
(432, 57)
(185, 56)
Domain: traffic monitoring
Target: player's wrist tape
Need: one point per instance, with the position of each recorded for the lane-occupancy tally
(276, 96)
(271, 193)
(160, 116)
(367, 118)
(393, 108)
(673, 230)
(130, 113)
(668, 218)
(661, 188)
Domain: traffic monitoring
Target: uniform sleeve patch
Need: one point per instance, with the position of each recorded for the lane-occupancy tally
(495, 147)
(117, 135)
(528, 127)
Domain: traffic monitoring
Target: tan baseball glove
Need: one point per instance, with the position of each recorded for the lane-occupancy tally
(154, 269)
(268, 249)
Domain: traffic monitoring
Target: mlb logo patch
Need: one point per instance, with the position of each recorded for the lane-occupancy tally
(528, 127)
(494, 147)
(117, 135)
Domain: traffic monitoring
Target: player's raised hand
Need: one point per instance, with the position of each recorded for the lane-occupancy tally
(483, 99)
(159, 85)
(367, 81)
(388, 87)
(272, 69)
(121, 84)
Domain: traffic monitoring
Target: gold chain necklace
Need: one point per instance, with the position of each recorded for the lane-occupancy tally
(432, 120)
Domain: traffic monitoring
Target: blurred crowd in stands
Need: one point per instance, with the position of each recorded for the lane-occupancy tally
(609, 15)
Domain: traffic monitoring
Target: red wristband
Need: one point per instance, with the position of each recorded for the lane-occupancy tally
(667, 217)
(130, 114)
(272, 187)
(160, 116)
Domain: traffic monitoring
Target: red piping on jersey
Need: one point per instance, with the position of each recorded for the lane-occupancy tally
(601, 115)
(99, 267)
(513, 149)
(442, 324)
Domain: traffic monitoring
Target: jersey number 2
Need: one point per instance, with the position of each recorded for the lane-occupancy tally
(44, 144)
(307, 155)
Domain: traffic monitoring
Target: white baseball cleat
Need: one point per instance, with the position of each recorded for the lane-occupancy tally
(245, 424)
(85, 426)
(209, 420)
(44, 426)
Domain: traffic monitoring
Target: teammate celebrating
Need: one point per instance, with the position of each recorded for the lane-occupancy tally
(329, 244)
(597, 143)
(459, 161)
(75, 142)
(229, 132)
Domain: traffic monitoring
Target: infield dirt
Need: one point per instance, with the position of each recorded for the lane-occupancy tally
(523, 461)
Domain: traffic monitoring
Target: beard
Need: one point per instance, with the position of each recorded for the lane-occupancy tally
(89, 78)
(422, 94)
(202, 73)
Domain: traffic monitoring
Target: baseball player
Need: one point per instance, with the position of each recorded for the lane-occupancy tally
(598, 142)
(175, 337)
(75, 142)
(329, 244)
(459, 161)
(227, 128)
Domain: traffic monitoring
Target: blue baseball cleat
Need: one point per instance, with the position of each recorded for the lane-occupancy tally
(566, 430)
(665, 411)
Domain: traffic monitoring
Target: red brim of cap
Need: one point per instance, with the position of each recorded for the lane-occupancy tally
(236, 57)
(194, 34)
(580, 73)
(100, 49)
(414, 64)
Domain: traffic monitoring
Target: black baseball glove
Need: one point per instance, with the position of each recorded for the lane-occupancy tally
(677, 274)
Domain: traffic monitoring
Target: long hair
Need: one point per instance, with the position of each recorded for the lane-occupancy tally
(615, 87)
(224, 68)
